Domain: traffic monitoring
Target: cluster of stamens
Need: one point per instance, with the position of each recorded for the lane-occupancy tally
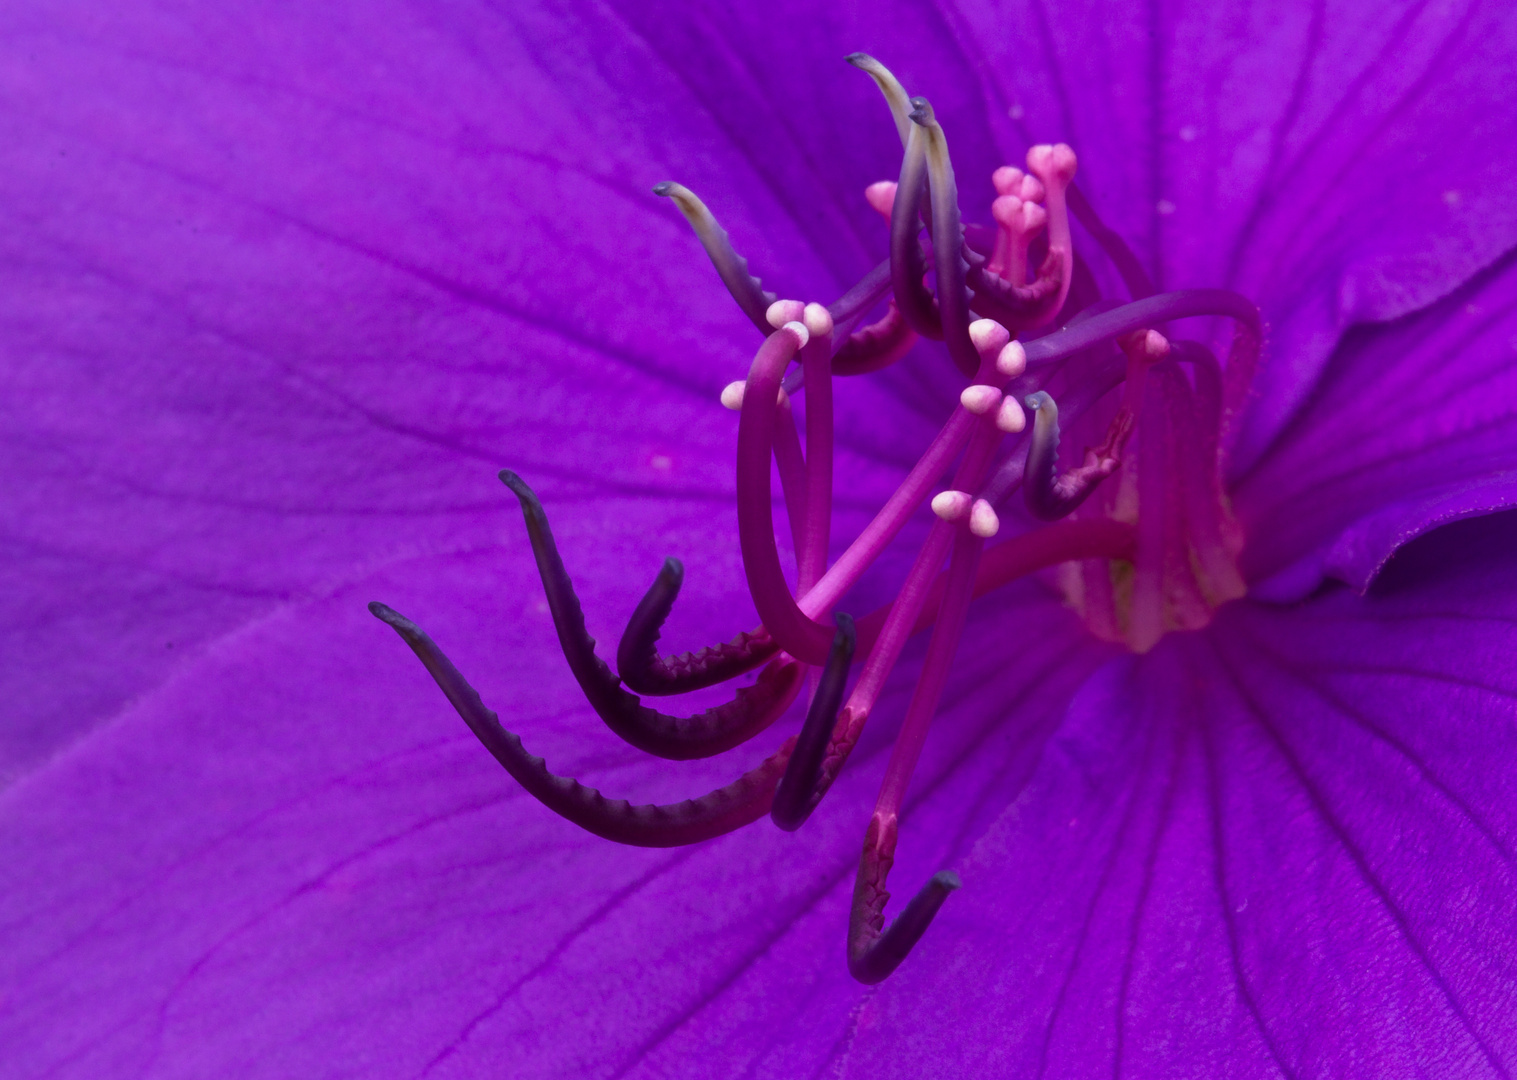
(1151, 553)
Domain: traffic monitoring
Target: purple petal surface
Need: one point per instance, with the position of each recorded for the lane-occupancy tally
(1414, 424)
(294, 860)
(1285, 846)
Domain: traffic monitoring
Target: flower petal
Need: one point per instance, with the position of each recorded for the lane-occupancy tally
(1340, 163)
(1414, 424)
(1284, 846)
(295, 860)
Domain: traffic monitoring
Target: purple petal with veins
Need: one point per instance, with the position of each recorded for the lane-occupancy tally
(284, 289)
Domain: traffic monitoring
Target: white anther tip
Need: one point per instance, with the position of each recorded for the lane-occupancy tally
(951, 505)
(980, 399)
(799, 330)
(988, 335)
(881, 196)
(1052, 163)
(1011, 419)
(1155, 346)
(783, 311)
(1007, 180)
(732, 395)
(818, 319)
(983, 521)
(1013, 359)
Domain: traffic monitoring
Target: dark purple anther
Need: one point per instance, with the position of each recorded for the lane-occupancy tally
(797, 795)
(875, 950)
(947, 242)
(907, 268)
(672, 825)
(1049, 495)
(706, 734)
(731, 267)
(646, 672)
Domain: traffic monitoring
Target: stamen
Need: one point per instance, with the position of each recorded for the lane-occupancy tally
(881, 196)
(795, 632)
(1050, 496)
(873, 954)
(907, 267)
(796, 796)
(947, 243)
(951, 505)
(676, 738)
(645, 672)
(731, 267)
(1151, 311)
(672, 825)
(980, 399)
(876, 346)
(1012, 360)
(895, 94)
(1010, 418)
(1054, 167)
(875, 951)
(816, 361)
(784, 311)
(983, 521)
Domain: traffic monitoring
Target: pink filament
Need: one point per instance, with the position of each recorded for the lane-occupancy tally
(816, 362)
(792, 469)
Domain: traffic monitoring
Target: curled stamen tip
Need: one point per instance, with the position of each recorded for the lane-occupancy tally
(1039, 400)
(947, 879)
(1011, 419)
(951, 505)
(983, 522)
(859, 59)
(388, 614)
(980, 399)
(784, 311)
(880, 195)
(1013, 359)
(802, 335)
(988, 336)
(921, 112)
(818, 319)
(665, 188)
(1052, 164)
(1007, 180)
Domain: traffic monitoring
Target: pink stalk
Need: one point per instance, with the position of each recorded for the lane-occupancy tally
(940, 653)
(1055, 167)
(796, 633)
(892, 516)
(816, 362)
(792, 469)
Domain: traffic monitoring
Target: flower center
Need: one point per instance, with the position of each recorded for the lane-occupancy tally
(1137, 526)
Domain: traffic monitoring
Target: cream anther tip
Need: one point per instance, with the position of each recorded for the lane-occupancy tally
(818, 319)
(1155, 345)
(983, 521)
(1052, 162)
(1013, 360)
(732, 395)
(980, 399)
(1011, 419)
(799, 330)
(988, 335)
(783, 311)
(951, 505)
(1007, 180)
(881, 196)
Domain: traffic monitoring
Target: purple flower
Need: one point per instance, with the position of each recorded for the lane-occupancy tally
(284, 290)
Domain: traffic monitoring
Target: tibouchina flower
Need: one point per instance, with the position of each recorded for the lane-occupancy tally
(285, 290)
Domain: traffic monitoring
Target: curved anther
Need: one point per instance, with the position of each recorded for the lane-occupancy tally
(947, 243)
(795, 631)
(863, 296)
(746, 289)
(907, 266)
(797, 794)
(1050, 496)
(876, 346)
(676, 738)
(671, 825)
(875, 950)
(646, 672)
(1141, 314)
(895, 94)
